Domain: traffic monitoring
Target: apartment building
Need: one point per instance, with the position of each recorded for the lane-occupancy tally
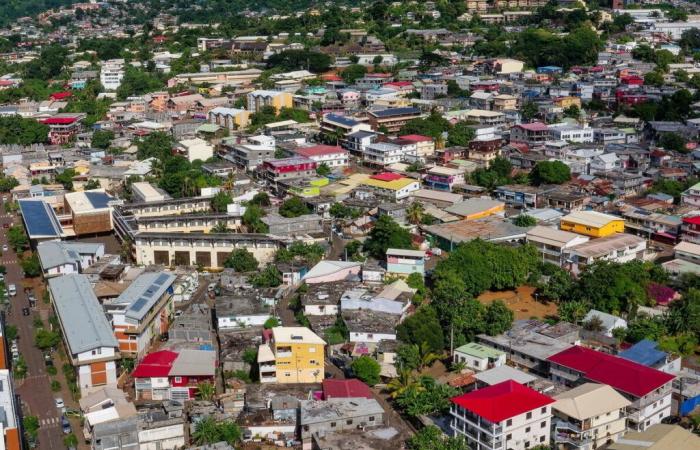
(90, 343)
(11, 430)
(592, 223)
(90, 212)
(173, 375)
(648, 390)
(256, 100)
(425, 145)
(142, 312)
(229, 118)
(588, 416)
(63, 127)
(392, 185)
(533, 134)
(338, 125)
(293, 355)
(383, 153)
(619, 248)
(276, 170)
(112, 74)
(234, 77)
(505, 415)
(332, 156)
(571, 133)
(443, 178)
(552, 244)
(392, 119)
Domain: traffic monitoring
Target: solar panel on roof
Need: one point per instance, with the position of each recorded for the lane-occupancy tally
(98, 199)
(162, 278)
(38, 218)
(138, 304)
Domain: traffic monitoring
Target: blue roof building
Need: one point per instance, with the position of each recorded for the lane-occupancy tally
(645, 352)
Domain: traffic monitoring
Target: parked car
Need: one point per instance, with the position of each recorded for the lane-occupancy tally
(65, 424)
(5, 248)
(25, 311)
(58, 401)
(12, 290)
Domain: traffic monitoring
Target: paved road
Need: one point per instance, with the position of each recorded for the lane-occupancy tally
(34, 391)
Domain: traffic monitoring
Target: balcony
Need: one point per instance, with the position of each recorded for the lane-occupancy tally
(476, 421)
(572, 439)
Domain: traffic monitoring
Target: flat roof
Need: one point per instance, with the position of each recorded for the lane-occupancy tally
(552, 236)
(503, 373)
(83, 320)
(479, 350)
(605, 245)
(473, 206)
(87, 201)
(403, 252)
(144, 292)
(39, 219)
(442, 196)
(292, 335)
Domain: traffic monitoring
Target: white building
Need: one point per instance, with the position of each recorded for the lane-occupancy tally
(112, 74)
(478, 356)
(571, 133)
(604, 163)
(331, 155)
(196, 149)
(61, 258)
(619, 247)
(608, 321)
(552, 243)
(385, 153)
(506, 415)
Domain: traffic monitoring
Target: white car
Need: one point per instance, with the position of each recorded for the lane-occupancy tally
(5, 248)
(59, 403)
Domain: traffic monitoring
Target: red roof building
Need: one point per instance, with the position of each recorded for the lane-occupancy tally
(505, 415)
(351, 388)
(56, 96)
(330, 155)
(386, 176)
(168, 375)
(157, 364)
(416, 138)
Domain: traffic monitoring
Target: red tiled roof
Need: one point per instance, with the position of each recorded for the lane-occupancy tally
(416, 137)
(331, 77)
(318, 150)
(623, 375)
(534, 126)
(60, 95)
(157, 364)
(345, 389)
(386, 176)
(58, 120)
(502, 401)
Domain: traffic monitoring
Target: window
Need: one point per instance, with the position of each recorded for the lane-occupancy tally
(527, 444)
(541, 438)
(178, 379)
(349, 421)
(371, 418)
(509, 437)
(544, 410)
(313, 362)
(312, 349)
(527, 430)
(332, 424)
(528, 415)
(509, 422)
(306, 428)
(543, 424)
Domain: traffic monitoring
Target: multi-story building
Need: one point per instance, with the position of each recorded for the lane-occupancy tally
(443, 178)
(588, 416)
(90, 212)
(357, 142)
(318, 419)
(331, 155)
(293, 355)
(11, 436)
(405, 262)
(619, 247)
(522, 195)
(691, 196)
(533, 134)
(506, 415)
(505, 102)
(592, 223)
(571, 133)
(383, 153)
(173, 375)
(651, 224)
(142, 312)
(392, 185)
(60, 258)
(229, 118)
(88, 336)
(256, 100)
(276, 170)
(552, 244)
(392, 119)
(341, 126)
(234, 77)
(648, 390)
(112, 74)
(478, 356)
(425, 145)
(63, 127)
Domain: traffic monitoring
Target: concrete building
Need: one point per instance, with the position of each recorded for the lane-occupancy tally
(229, 118)
(320, 418)
(293, 355)
(620, 248)
(173, 375)
(592, 223)
(588, 416)
(443, 178)
(392, 119)
(552, 244)
(658, 437)
(648, 390)
(505, 415)
(142, 312)
(477, 208)
(90, 212)
(478, 357)
(331, 155)
(144, 192)
(256, 100)
(391, 185)
(194, 149)
(112, 74)
(88, 336)
(61, 258)
(691, 196)
(405, 262)
(11, 437)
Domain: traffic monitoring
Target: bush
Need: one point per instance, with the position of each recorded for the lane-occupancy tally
(55, 386)
(367, 369)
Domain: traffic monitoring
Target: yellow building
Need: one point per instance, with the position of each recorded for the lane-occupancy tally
(592, 223)
(230, 118)
(261, 98)
(293, 355)
(566, 102)
(391, 185)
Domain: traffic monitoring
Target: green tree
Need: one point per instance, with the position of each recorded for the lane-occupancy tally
(524, 220)
(220, 201)
(293, 207)
(241, 260)
(367, 369)
(205, 431)
(573, 112)
(460, 135)
(426, 397)
(252, 219)
(21, 131)
(299, 59)
(31, 266)
(422, 327)
(272, 322)
(17, 238)
(550, 172)
(137, 82)
(206, 390)
(66, 178)
(498, 318)
(102, 138)
(260, 199)
(156, 145)
(529, 110)
(353, 72)
(414, 212)
(269, 277)
(386, 234)
(673, 141)
(8, 183)
(70, 441)
(432, 438)
(46, 339)
(323, 170)
(433, 125)
(654, 78)
(91, 184)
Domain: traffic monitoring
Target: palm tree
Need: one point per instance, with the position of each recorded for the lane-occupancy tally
(206, 432)
(206, 390)
(427, 356)
(405, 381)
(459, 366)
(414, 213)
(230, 181)
(220, 227)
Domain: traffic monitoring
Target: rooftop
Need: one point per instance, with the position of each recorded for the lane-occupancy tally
(658, 437)
(473, 206)
(87, 201)
(605, 245)
(590, 218)
(502, 401)
(479, 350)
(589, 400)
(315, 411)
(144, 292)
(645, 352)
(295, 335)
(504, 373)
(552, 236)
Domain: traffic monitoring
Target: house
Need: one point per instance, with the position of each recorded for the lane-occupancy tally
(104, 405)
(331, 155)
(60, 258)
(686, 259)
(499, 374)
(647, 353)
(478, 357)
(648, 390)
(425, 145)
(552, 243)
(391, 185)
(658, 437)
(90, 343)
(691, 196)
(604, 163)
(112, 74)
(194, 149)
(229, 118)
(144, 192)
(328, 271)
(533, 134)
(592, 223)
(477, 208)
(171, 375)
(392, 119)
(505, 415)
(351, 388)
(443, 178)
(588, 416)
(256, 100)
(341, 126)
(242, 310)
(522, 195)
(152, 429)
(293, 355)
(11, 433)
(336, 415)
(405, 262)
(607, 321)
(620, 248)
(63, 127)
(142, 312)
(288, 168)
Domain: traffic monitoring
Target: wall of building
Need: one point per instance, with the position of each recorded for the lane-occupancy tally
(612, 227)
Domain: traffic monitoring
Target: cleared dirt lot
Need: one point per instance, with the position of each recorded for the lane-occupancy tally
(521, 301)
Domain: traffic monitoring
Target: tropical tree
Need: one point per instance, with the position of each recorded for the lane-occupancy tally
(404, 381)
(241, 260)
(206, 390)
(367, 369)
(414, 213)
(220, 201)
(205, 432)
(386, 234)
(220, 227)
(432, 438)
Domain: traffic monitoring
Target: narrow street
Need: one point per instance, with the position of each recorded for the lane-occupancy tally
(34, 390)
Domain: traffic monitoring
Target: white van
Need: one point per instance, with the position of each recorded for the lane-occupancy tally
(12, 290)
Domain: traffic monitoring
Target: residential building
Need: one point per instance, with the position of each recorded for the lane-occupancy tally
(256, 100)
(552, 244)
(60, 258)
(112, 74)
(648, 390)
(391, 185)
(341, 126)
(443, 178)
(592, 223)
(90, 212)
(144, 192)
(405, 262)
(691, 196)
(686, 259)
(293, 355)
(173, 375)
(90, 343)
(332, 156)
(104, 405)
(234, 77)
(392, 119)
(276, 170)
(533, 134)
(478, 357)
(505, 415)
(425, 145)
(588, 416)
(229, 118)
(505, 102)
(690, 229)
(63, 127)
(336, 415)
(658, 437)
(477, 208)
(328, 271)
(604, 163)
(608, 322)
(620, 248)
(654, 225)
(194, 149)
(142, 312)
(11, 435)
(571, 133)
(384, 153)
(522, 195)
